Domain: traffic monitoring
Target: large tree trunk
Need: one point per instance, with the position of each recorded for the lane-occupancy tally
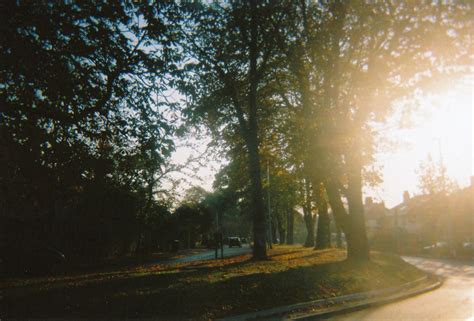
(274, 230)
(309, 222)
(338, 236)
(308, 216)
(358, 248)
(323, 236)
(259, 230)
(289, 225)
(352, 225)
(259, 249)
(281, 228)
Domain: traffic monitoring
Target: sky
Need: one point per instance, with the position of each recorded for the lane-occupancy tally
(441, 126)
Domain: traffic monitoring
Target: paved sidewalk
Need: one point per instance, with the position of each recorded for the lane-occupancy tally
(208, 255)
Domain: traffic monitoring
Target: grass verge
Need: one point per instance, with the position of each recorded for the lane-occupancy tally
(202, 289)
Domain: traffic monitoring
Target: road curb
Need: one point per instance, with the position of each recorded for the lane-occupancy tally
(351, 302)
(367, 303)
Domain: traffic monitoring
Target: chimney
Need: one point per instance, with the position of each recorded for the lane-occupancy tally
(406, 197)
(369, 201)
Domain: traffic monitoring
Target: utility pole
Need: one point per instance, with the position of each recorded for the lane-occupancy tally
(216, 233)
(269, 216)
(445, 201)
(218, 238)
(441, 167)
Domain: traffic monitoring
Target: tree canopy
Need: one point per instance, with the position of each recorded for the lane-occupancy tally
(94, 96)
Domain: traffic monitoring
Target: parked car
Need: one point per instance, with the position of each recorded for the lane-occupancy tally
(468, 248)
(235, 241)
(440, 248)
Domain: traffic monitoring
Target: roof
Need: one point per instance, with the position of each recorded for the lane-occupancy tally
(375, 210)
(415, 202)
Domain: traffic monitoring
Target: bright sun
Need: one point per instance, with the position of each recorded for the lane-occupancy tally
(448, 124)
(443, 128)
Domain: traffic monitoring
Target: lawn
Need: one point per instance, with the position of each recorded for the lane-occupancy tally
(202, 289)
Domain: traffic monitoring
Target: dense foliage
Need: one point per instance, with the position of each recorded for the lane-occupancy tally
(83, 129)
(90, 110)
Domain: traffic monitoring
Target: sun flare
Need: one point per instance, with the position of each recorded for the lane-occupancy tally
(441, 127)
(445, 126)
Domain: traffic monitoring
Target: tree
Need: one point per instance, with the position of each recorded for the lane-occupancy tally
(194, 221)
(230, 201)
(285, 197)
(82, 111)
(229, 54)
(297, 87)
(352, 61)
(309, 219)
(323, 234)
(433, 179)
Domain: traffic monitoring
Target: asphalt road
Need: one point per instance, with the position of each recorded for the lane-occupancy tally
(454, 300)
(209, 255)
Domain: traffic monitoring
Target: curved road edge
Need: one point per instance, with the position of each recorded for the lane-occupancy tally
(345, 303)
(408, 290)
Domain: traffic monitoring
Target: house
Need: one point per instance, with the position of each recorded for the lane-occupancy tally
(375, 215)
(408, 215)
(437, 217)
(422, 217)
(461, 213)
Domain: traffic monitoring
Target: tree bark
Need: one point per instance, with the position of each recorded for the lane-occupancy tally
(289, 225)
(338, 236)
(274, 230)
(352, 225)
(308, 215)
(358, 248)
(281, 229)
(259, 249)
(259, 230)
(309, 222)
(323, 236)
